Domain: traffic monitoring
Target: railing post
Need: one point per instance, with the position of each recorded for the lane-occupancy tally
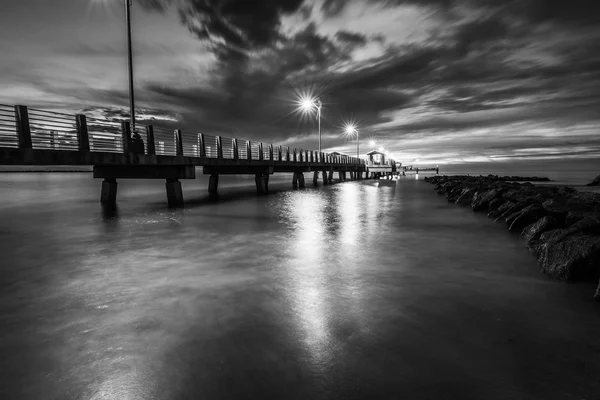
(179, 136)
(236, 156)
(150, 146)
(287, 154)
(248, 150)
(294, 156)
(279, 153)
(201, 146)
(126, 135)
(219, 148)
(83, 139)
(271, 152)
(261, 154)
(23, 128)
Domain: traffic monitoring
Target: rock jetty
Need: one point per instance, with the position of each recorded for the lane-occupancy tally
(559, 225)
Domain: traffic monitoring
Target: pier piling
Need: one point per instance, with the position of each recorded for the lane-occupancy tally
(213, 183)
(174, 193)
(108, 195)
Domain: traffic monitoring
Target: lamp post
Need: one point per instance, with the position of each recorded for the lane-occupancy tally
(319, 105)
(128, 4)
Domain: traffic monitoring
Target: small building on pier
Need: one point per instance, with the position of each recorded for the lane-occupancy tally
(378, 164)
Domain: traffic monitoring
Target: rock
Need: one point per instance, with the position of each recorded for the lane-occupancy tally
(481, 200)
(496, 203)
(571, 258)
(595, 182)
(513, 212)
(573, 217)
(465, 198)
(531, 234)
(527, 216)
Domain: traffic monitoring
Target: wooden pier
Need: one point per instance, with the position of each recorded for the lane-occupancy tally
(38, 137)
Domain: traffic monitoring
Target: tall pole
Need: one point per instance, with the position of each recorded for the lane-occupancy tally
(319, 104)
(357, 149)
(128, 4)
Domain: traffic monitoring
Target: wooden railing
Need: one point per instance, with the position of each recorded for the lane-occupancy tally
(22, 127)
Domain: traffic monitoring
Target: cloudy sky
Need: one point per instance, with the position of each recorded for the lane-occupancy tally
(435, 80)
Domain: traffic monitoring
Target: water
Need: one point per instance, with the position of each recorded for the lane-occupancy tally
(346, 291)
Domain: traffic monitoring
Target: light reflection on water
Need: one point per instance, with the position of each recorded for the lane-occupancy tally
(311, 293)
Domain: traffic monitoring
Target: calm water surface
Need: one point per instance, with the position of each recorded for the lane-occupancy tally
(347, 291)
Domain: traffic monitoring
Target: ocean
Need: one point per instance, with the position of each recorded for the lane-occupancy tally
(344, 291)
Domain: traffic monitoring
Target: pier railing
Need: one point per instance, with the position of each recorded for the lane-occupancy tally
(29, 128)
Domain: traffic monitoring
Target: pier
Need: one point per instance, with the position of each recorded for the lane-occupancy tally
(37, 137)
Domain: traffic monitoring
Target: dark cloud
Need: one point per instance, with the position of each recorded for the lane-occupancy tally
(240, 24)
(352, 38)
(479, 33)
(332, 8)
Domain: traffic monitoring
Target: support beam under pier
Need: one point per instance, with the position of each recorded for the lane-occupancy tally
(174, 193)
(298, 180)
(262, 183)
(108, 195)
(213, 183)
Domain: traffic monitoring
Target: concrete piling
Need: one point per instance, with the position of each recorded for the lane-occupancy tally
(174, 193)
(260, 183)
(213, 183)
(108, 195)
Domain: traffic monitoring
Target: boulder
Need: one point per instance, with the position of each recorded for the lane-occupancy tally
(575, 257)
(573, 217)
(511, 213)
(465, 197)
(527, 216)
(531, 234)
(496, 203)
(481, 200)
(595, 182)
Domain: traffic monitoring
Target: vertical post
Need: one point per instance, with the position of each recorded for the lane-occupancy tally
(52, 140)
(248, 150)
(287, 153)
(130, 59)
(201, 145)
(108, 195)
(236, 156)
(219, 148)
(126, 136)
(294, 156)
(213, 183)
(179, 136)
(23, 128)
(261, 154)
(83, 139)
(151, 147)
(279, 153)
(174, 193)
(271, 152)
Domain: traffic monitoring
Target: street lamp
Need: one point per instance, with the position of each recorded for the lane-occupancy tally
(351, 129)
(307, 104)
